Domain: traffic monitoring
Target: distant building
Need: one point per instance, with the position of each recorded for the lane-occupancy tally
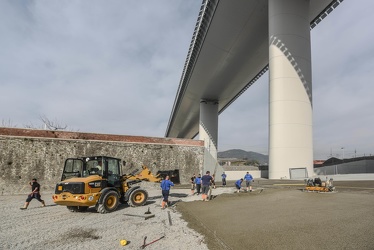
(358, 165)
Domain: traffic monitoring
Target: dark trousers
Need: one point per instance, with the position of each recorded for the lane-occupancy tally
(223, 182)
(34, 196)
(165, 194)
(198, 187)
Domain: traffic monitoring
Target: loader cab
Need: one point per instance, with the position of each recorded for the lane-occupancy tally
(107, 168)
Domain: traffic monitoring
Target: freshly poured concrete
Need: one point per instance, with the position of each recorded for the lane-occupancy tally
(284, 217)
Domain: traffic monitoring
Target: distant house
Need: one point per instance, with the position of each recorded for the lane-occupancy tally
(318, 163)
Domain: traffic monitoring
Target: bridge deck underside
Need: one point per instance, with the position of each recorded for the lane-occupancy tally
(234, 51)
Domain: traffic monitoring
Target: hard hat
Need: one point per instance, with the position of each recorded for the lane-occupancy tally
(123, 242)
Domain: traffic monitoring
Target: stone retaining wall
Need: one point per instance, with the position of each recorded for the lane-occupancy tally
(25, 154)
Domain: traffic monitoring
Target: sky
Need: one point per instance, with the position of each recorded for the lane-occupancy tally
(114, 67)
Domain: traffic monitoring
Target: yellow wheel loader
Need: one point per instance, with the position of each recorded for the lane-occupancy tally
(98, 181)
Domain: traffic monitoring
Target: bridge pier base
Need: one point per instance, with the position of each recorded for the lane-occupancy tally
(290, 89)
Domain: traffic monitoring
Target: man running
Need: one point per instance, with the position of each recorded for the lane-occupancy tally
(35, 193)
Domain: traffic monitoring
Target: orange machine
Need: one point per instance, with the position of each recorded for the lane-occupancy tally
(316, 185)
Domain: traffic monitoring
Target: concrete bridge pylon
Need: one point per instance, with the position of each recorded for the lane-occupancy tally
(208, 127)
(234, 43)
(290, 89)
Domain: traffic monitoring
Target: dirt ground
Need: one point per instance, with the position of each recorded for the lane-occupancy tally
(54, 227)
(277, 215)
(285, 217)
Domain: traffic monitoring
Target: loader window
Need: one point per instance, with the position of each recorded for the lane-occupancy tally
(113, 167)
(94, 167)
(113, 172)
(72, 168)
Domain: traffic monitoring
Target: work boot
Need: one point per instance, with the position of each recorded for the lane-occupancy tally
(43, 204)
(163, 205)
(25, 206)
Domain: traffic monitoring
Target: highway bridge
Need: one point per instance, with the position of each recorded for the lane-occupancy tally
(234, 43)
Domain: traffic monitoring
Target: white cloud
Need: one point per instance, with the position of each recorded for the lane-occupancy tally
(76, 61)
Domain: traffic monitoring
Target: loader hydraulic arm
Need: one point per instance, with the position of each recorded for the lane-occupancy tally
(144, 175)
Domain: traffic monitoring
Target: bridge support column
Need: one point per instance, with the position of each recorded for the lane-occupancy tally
(290, 89)
(208, 127)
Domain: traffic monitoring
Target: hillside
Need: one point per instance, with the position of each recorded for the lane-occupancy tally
(241, 154)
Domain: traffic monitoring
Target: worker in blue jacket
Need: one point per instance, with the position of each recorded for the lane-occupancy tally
(238, 184)
(198, 184)
(248, 181)
(165, 186)
(223, 179)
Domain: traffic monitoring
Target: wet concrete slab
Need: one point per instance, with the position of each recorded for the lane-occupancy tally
(284, 217)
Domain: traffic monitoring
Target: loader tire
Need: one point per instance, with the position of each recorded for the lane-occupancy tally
(109, 204)
(76, 209)
(138, 198)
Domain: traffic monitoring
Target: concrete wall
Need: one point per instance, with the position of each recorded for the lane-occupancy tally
(25, 154)
(356, 167)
